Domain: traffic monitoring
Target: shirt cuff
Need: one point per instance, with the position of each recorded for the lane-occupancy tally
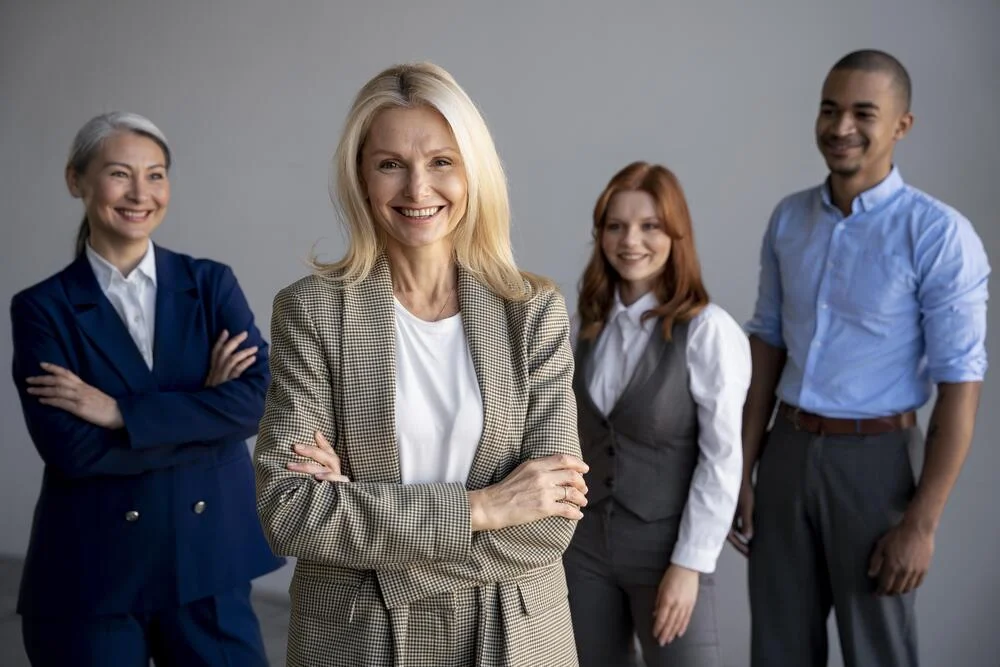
(772, 338)
(693, 558)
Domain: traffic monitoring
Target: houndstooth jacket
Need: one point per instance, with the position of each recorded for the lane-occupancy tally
(369, 550)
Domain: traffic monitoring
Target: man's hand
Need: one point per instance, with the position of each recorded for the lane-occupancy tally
(741, 533)
(901, 559)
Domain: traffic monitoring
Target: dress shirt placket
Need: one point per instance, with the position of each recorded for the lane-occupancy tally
(137, 318)
(626, 334)
(831, 274)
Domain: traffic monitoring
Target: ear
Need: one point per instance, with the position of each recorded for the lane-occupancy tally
(73, 182)
(903, 126)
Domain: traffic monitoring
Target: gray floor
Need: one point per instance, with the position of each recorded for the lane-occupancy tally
(273, 615)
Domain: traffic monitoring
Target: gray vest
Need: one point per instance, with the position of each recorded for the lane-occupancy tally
(643, 454)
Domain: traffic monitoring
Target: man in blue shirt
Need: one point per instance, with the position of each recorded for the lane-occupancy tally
(870, 293)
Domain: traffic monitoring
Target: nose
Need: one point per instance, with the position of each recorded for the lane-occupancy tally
(843, 125)
(631, 236)
(418, 184)
(138, 190)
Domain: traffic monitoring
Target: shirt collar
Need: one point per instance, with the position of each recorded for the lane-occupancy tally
(633, 314)
(106, 272)
(870, 198)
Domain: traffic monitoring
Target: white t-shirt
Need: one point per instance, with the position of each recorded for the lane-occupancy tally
(439, 407)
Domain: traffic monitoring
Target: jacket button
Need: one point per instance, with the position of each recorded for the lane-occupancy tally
(611, 451)
(198, 507)
(131, 515)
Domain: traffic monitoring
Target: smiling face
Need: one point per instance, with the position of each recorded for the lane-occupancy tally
(634, 240)
(413, 176)
(861, 117)
(125, 190)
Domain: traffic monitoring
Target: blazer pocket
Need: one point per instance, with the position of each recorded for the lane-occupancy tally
(539, 594)
(334, 598)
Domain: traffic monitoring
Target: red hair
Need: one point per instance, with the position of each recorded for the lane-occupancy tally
(680, 288)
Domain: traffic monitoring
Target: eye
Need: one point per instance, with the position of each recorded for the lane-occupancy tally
(389, 164)
(826, 113)
(442, 162)
(612, 227)
(650, 226)
(157, 176)
(118, 173)
(864, 115)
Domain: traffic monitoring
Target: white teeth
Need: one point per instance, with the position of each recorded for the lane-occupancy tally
(629, 258)
(419, 212)
(133, 215)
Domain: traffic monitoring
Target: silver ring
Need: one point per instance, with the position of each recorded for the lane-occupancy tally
(565, 493)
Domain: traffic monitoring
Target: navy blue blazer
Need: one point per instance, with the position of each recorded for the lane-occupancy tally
(161, 512)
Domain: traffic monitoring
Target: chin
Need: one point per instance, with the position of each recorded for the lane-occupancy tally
(635, 276)
(842, 168)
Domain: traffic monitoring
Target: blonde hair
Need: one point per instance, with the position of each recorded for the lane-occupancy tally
(482, 238)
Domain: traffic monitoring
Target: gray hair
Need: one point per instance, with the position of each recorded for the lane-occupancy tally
(93, 134)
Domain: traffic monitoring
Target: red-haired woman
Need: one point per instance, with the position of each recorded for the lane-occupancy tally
(661, 377)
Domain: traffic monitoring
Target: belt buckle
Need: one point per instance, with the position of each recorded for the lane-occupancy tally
(795, 418)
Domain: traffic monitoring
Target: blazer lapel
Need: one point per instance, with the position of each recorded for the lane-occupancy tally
(177, 309)
(368, 370)
(102, 325)
(484, 319)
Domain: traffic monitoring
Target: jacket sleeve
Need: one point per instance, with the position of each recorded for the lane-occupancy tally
(359, 524)
(230, 411)
(550, 428)
(74, 447)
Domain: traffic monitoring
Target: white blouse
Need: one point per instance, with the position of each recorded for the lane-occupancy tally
(718, 362)
(133, 297)
(439, 407)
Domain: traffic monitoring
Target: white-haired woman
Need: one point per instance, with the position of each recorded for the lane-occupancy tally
(418, 452)
(141, 374)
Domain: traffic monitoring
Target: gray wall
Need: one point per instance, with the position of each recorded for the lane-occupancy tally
(253, 96)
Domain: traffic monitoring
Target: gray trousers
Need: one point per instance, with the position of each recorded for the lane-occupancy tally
(822, 502)
(613, 568)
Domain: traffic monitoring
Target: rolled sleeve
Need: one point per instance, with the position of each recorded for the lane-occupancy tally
(766, 321)
(954, 270)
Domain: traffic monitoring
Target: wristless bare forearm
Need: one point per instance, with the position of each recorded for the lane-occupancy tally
(768, 362)
(949, 437)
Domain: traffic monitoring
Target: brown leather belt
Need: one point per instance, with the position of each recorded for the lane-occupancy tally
(813, 423)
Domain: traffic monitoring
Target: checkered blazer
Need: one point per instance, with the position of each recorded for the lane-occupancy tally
(373, 551)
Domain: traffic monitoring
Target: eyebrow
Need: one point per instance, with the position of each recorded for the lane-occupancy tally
(128, 166)
(857, 105)
(436, 151)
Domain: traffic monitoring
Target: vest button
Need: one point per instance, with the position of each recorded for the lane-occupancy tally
(131, 516)
(199, 507)
(611, 450)
(609, 482)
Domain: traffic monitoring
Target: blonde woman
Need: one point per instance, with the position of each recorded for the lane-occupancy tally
(418, 452)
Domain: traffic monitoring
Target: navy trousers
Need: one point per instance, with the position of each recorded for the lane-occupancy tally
(219, 631)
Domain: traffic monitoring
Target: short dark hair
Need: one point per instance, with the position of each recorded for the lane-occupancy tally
(873, 60)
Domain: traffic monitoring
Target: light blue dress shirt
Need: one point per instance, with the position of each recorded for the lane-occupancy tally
(875, 307)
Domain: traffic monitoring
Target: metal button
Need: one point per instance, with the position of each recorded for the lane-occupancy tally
(131, 515)
(198, 507)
